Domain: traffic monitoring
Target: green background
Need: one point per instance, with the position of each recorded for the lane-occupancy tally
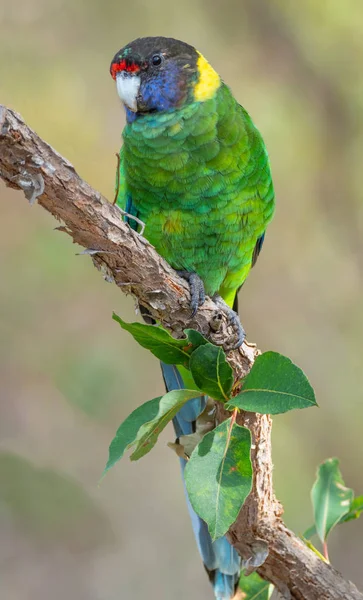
(69, 375)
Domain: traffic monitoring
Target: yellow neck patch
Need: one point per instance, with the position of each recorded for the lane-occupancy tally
(208, 80)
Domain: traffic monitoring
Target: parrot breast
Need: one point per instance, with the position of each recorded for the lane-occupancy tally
(199, 179)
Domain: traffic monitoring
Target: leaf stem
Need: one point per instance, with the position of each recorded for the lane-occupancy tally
(325, 551)
(237, 383)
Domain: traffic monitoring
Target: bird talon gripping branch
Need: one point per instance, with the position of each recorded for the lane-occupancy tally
(239, 334)
(194, 168)
(196, 287)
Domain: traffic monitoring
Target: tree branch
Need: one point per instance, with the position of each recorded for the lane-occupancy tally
(123, 256)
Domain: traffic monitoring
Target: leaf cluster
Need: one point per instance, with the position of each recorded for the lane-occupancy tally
(333, 503)
(218, 474)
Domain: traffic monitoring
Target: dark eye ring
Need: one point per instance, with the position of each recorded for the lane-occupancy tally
(156, 60)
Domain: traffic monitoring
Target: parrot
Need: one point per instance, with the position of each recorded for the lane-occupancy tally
(194, 176)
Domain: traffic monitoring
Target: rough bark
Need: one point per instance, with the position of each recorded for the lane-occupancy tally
(30, 164)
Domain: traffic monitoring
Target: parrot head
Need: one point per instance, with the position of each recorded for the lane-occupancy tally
(157, 74)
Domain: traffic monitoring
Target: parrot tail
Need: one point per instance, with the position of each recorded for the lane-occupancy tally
(220, 559)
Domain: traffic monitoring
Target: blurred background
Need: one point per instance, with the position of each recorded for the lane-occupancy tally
(69, 375)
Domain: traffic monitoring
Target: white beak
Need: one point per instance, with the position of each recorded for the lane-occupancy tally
(128, 88)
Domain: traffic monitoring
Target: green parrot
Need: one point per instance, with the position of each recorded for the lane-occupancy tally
(194, 169)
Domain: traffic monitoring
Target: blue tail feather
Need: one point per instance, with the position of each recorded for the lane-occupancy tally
(220, 558)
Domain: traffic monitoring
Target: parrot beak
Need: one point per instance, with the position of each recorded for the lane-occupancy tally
(128, 85)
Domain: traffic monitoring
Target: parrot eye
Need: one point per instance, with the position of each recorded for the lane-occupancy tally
(156, 60)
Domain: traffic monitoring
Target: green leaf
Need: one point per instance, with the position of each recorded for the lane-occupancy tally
(274, 385)
(143, 426)
(128, 430)
(158, 341)
(168, 406)
(254, 587)
(218, 476)
(195, 338)
(331, 499)
(211, 372)
(355, 509)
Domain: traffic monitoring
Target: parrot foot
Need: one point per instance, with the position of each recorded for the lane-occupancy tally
(133, 218)
(196, 286)
(234, 322)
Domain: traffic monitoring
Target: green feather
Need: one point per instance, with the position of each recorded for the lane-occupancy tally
(199, 178)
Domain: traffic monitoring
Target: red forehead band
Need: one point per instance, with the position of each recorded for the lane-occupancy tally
(123, 66)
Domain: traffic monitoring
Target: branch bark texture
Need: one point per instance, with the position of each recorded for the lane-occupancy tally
(124, 257)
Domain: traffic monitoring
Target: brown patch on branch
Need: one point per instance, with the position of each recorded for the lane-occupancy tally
(30, 164)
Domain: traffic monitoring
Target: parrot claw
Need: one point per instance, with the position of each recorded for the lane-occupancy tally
(234, 322)
(197, 292)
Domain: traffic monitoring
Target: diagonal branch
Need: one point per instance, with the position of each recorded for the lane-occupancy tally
(30, 164)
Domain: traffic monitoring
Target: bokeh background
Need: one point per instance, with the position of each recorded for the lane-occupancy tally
(69, 375)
